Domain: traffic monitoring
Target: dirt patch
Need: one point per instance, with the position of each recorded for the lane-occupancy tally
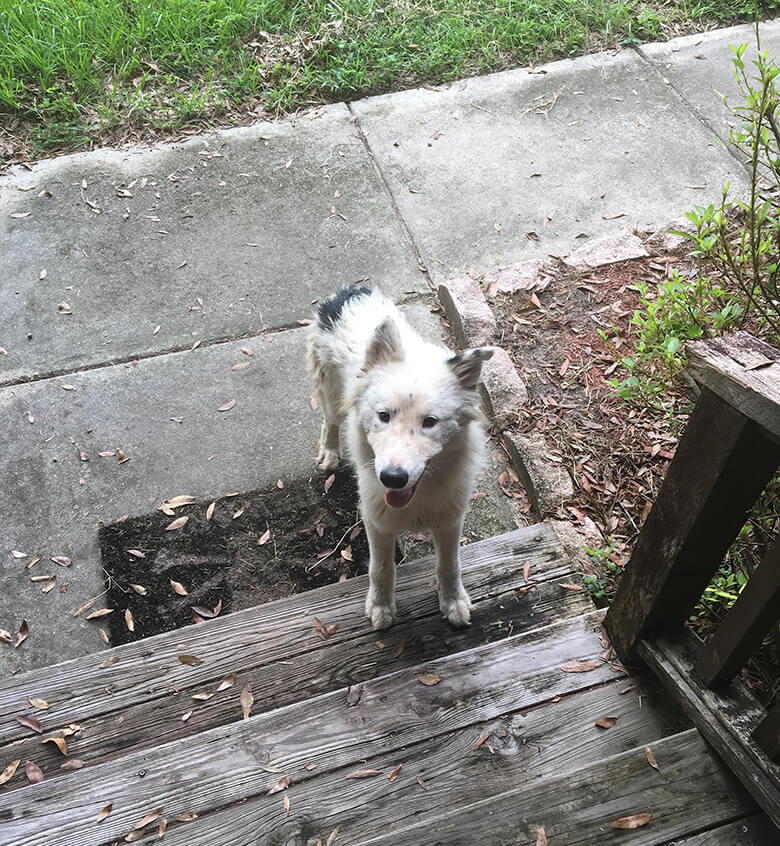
(256, 547)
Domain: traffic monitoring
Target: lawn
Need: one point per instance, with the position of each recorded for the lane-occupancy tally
(77, 72)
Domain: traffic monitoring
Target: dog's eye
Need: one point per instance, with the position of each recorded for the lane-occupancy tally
(430, 422)
(384, 416)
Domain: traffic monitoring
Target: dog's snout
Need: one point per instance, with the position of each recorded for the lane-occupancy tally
(394, 477)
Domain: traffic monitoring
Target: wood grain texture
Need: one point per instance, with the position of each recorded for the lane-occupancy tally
(767, 734)
(226, 765)
(721, 465)
(515, 749)
(755, 830)
(149, 723)
(741, 632)
(726, 718)
(744, 371)
(577, 808)
(148, 669)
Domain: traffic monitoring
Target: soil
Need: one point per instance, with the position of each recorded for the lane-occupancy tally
(256, 547)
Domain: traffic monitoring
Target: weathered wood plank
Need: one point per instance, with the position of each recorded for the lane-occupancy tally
(691, 790)
(229, 764)
(145, 724)
(726, 718)
(282, 630)
(767, 734)
(456, 769)
(721, 465)
(755, 830)
(744, 371)
(740, 634)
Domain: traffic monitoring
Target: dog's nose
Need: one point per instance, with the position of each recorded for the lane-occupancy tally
(394, 477)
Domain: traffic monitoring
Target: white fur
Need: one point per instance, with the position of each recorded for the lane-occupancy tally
(372, 361)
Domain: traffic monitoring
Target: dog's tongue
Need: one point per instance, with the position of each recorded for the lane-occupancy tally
(398, 499)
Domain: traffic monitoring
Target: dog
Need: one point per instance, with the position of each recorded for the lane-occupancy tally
(414, 435)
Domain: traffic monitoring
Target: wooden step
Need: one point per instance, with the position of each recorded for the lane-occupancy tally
(139, 701)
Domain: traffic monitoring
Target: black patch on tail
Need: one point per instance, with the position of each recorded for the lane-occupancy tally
(329, 311)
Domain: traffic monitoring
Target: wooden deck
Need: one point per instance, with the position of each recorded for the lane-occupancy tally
(346, 745)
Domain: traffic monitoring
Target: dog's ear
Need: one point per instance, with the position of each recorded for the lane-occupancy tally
(467, 366)
(384, 346)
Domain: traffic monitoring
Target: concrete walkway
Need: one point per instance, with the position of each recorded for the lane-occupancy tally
(132, 280)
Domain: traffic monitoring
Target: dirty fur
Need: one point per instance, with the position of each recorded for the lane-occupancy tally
(413, 431)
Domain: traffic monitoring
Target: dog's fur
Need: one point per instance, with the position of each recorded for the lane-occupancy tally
(414, 435)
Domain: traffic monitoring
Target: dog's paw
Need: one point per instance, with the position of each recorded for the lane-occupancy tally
(381, 616)
(457, 610)
(328, 460)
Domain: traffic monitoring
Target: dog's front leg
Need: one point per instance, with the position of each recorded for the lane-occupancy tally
(454, 602)
(380, 601)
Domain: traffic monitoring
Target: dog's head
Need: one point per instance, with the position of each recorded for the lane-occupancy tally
(411, 404)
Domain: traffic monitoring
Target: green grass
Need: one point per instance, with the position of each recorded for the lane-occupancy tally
(71, 70)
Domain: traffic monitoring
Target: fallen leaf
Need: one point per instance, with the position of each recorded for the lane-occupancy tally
(206, 613)
(178, 588)
(38, 703)
(286, 804)
(8, 773)
(264, 538)
(59, 742)
(393, 774)
(279, 484)
(85, 607)
(635, 821)
(247, 701)
(210, 510)
(421, 783)
(187, 816)
(109, 662)
(329, 482)
(203, 695)
(364, 774)
(429, 679)
(161, 828)
(29, 722)
(605, 722)
(62, 560)
(105, 812)
(324, 631)
(227, 682)
(72, 764)
(580, 666)
(32, 562)
(139, 589)
(186, 715)
(246, 351)
(280, 785)
(176, 524)
(227, 406)
(22, 634)
(136, 553)
(564, 366)
(190, 660)
(238, 513)
(346, 553)
(526, 570)
(104, 635)
(134, 835)
(482, 740)
(570, 586)
(102, 612)
(17, 554)
(242, 366)
(650, 755)
(129, 621)
(33, 772)
(5, 636)
(149, 818)
(177, 501)
(541, 837)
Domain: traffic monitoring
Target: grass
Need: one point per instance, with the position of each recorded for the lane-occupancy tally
(75, 71)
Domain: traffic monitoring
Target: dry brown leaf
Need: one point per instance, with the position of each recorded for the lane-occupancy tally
(264, 538)
(421, 783)
(104, 636)
(526, 570)
(346, 553)
(203, 695)
(286, 804)
(206, 613)
(635, 821)
(33, 562)
(210, 510)
(364, 774)
(134, 835)
(102, 612)
(139, 589)
(36, 702)
(247, 351)
(149, 818)
(227, 682)
(238, 513)
(564, 366)
(22, 634)
(33, 772)
(186, 715)
(5, 636)
(429, 679)
(247, 701)
(85, 607)
(72, 764)
(17, 554)
(650, 755)
(109, 662)
(62, 560)
(187, 816)
(190, 660)
(541, 836)
(176, 524)
(105, 812)
(570, 586)
(129, 621)
(279, 484)
(323, 630)
(280, 785)
(227, 406)
(605, 722)
(8, 773)
(242, 366)
(179, 588)
(30, 723)
(393, 774)
(580, 666)
(329, 482)
(482, 740)
(177, 501)
(59, 742)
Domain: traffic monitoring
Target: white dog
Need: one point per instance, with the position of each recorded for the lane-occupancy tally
(414, 435)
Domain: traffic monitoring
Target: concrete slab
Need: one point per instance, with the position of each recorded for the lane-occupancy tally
(699, 67)
(222, 236)
(519, 165)
(163, 412)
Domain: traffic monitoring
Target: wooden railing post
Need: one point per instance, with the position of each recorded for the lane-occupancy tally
(721, 465)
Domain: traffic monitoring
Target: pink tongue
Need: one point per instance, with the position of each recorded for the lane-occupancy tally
(398, 499)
